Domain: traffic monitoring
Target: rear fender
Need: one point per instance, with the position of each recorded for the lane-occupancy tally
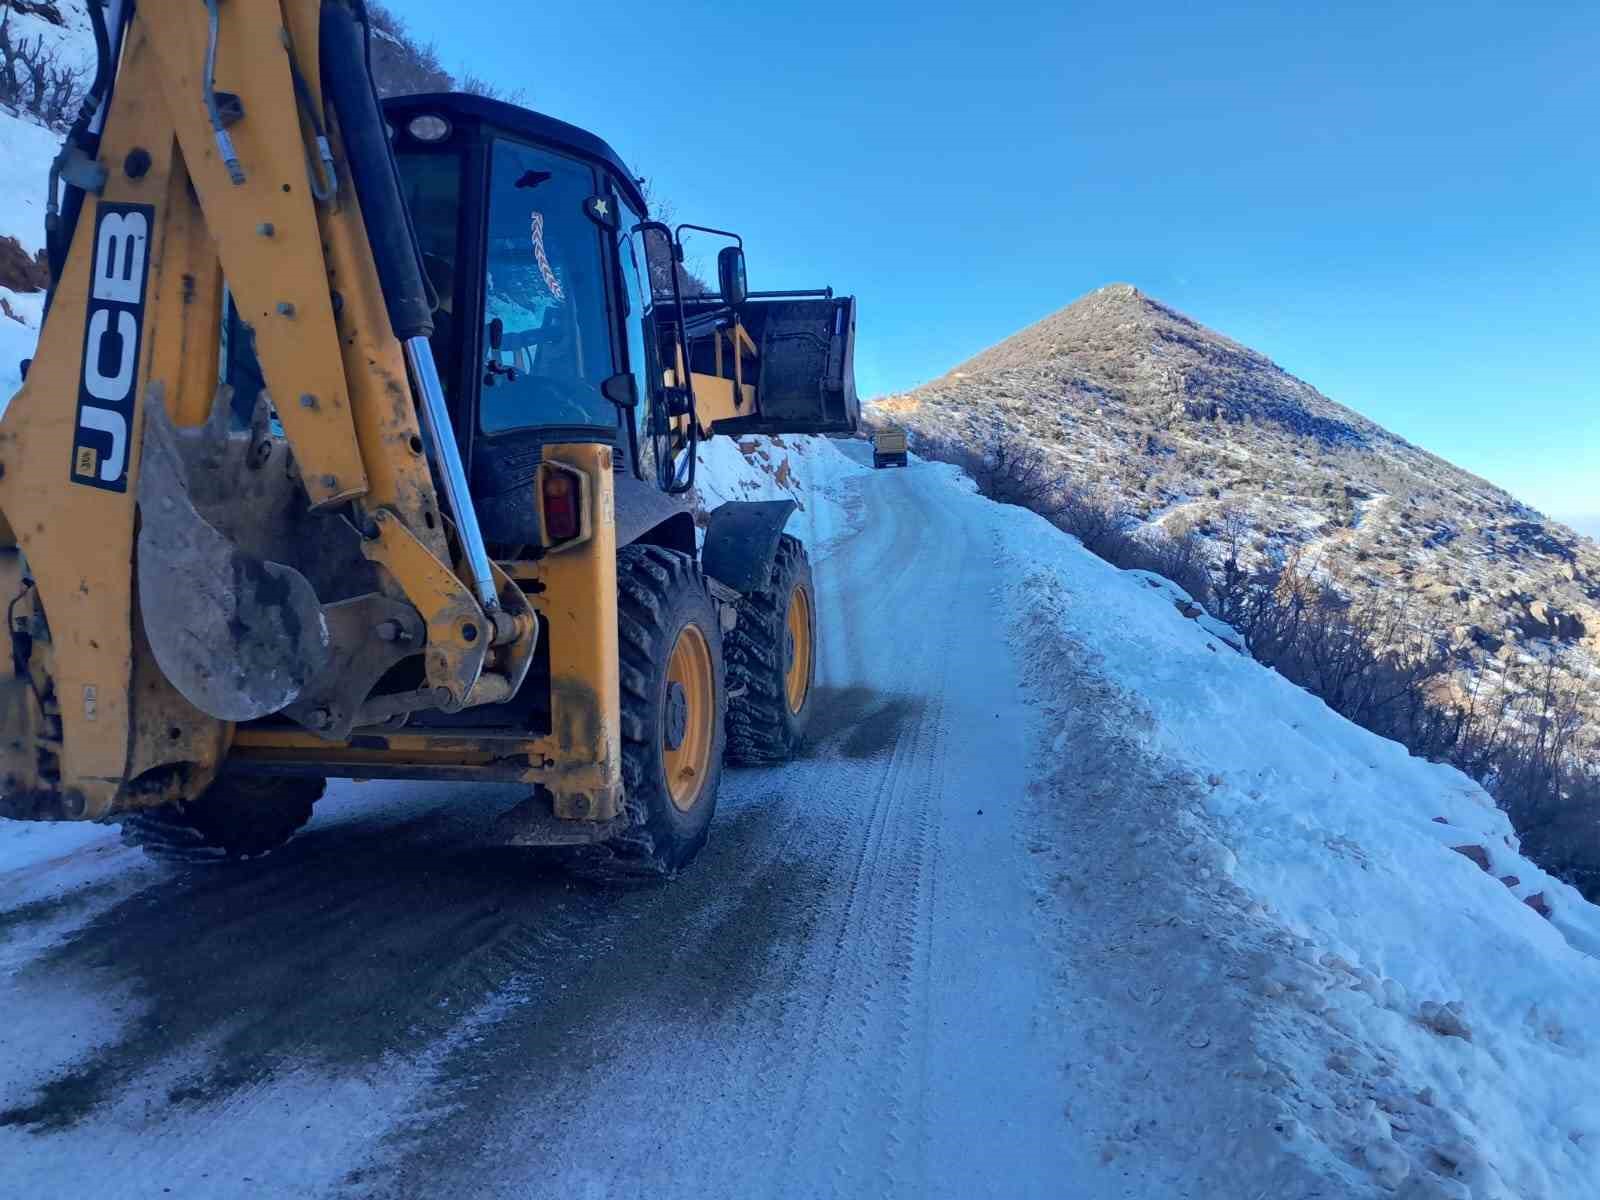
(742, 541)
(646, 514)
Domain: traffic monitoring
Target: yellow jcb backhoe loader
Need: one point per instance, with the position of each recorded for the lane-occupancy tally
(359, 443)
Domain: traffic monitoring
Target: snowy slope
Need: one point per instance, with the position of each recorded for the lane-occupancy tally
(1337, 847)
(26, 151)
(1421, 1024)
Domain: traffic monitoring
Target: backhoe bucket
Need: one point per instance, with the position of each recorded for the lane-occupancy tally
(239, 636)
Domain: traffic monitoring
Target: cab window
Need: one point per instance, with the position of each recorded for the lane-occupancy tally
(637, 303)
(547, 340)
(432, 185)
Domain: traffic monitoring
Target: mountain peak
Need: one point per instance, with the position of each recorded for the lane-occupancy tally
(1187, 428)
(1108, 313)
(1118, 291)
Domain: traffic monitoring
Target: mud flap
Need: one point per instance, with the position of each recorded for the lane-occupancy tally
(742, 540)
(239, 636)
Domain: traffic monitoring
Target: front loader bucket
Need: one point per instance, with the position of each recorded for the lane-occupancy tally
(807, 355)
(239, 636)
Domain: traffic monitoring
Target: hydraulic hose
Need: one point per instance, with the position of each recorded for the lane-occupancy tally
(59, 226)
(347, 82)
(219, 130)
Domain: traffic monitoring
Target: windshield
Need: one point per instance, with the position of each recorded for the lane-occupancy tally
(544, 296)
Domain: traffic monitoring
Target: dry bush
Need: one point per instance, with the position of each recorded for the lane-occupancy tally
(1183, 557)
(1369, 660)
(1100, 522)
(38, 80)
(1373, 662)
(1530, 746)
(401, 65)
(476, 85)
(1005, 466)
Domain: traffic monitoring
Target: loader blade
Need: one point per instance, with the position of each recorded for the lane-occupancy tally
(239, 636)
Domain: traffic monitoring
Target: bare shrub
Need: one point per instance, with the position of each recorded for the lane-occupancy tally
(1007, 468)
(36, 79)
(1371, 661)
(401, 65)
(476, 85)
(1374, 662)
(1183, 557)
(1013, 470)
(1099, 521)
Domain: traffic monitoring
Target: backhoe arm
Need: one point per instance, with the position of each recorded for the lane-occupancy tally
(288, 569)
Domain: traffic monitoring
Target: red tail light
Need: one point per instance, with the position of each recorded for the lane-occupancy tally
(562, 521)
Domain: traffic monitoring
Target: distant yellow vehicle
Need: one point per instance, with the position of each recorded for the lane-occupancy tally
(889, 448)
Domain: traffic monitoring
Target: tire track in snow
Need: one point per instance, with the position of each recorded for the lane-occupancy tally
(886, 951)
(818, 1007)
(855, 942)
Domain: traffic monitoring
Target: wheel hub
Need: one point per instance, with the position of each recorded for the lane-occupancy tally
(676, 718)
(797, 649)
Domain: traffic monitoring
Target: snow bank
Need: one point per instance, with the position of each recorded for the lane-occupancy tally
(26, 149)
(1468, 1018)
(19, 332)
(811, 471)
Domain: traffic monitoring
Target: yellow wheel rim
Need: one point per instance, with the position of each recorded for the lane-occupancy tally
(688, 718)
(797, 649)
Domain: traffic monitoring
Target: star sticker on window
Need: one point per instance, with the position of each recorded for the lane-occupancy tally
(601, 207)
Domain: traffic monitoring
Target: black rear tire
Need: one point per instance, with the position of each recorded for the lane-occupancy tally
(234, 819)
(661, 601)
(764, 726)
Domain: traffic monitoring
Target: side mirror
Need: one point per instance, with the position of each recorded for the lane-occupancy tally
(730, 276)
(622, 390)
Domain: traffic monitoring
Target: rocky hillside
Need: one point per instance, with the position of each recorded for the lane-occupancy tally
(1191, 429)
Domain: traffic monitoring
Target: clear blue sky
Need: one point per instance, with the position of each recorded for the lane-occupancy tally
(1400, 203)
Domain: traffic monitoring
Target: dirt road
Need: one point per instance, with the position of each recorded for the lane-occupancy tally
(850, 994)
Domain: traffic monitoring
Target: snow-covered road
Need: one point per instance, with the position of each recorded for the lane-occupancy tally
(854, 992)
(1065, 898)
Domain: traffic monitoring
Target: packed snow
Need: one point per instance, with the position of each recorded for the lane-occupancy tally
(1424, 1024)
(20, 317)
(27, 148)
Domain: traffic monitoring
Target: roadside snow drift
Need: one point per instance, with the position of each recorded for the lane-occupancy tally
(1427, 1026)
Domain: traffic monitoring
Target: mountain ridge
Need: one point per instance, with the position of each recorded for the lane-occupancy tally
(1183, 425)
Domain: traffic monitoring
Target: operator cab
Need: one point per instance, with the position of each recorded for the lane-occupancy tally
(561, 314)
